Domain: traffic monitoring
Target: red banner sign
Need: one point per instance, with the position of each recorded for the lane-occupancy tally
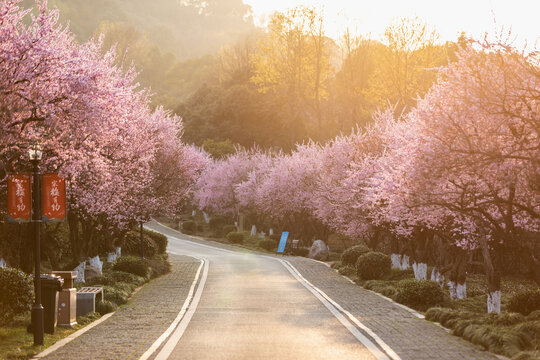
(19, 198)
(53, 195)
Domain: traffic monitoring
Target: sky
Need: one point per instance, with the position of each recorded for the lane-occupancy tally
(450, 18)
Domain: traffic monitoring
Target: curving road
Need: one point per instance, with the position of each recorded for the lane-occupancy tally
(256, 307)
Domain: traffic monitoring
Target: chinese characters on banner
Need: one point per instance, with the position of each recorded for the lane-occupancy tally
(53, 195)
(19, 198)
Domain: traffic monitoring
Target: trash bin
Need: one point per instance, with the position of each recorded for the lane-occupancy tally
(50, 286)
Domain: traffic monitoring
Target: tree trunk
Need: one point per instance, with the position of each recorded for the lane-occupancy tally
(493, 277)
(73, 222)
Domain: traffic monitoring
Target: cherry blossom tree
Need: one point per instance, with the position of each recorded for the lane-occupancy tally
(123, 161)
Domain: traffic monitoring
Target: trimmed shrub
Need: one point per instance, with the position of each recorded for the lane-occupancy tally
(132, 265)
(200, 228)
(301, 251)
(101, 280)
(105, 307)
(16, 294)
(116, 295)
(525, 302)
(132, 244)
(216, 223)
(373, 266)
(419, 293)
(122, 276)
(351, 255)
(267, 244)
(189, 226)
(347, 270)
(275, 236)
(159, 239)
(236, 237)
(158, 266)
(227, 229)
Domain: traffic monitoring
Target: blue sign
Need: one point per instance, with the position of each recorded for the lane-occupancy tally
(282, 242)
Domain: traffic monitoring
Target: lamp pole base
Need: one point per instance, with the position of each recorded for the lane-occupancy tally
(37, 323)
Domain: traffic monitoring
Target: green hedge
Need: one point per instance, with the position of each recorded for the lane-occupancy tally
(525, 302)
(189, 226)
(351, 255)
(159, 239)
(236, 237)
(16, 294)
(132, 265)
(420, 294)
(267, 244)
(373, 265)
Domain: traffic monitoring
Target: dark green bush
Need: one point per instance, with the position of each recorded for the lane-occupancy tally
(159, 239)
(105, 307)
(275, 236)
(227, 229)
(117, 295)
(132, 265)
(200, 228)
(525, 301)
(216, 223)
(132, 244)
(15, 295)
(158, 266)
(373, 266)
(122, 276)
(301, 251)
(419, 294)
(101, 280)
(347, 270)
(351, 255)
(267, 244)
(189, 226)
(236, 237)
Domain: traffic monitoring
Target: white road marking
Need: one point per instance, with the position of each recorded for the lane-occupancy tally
(179, 331)
(336, 309)
(357, 322)
(178, 318)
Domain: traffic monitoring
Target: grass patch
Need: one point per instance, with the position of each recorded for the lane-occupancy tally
(17, 344)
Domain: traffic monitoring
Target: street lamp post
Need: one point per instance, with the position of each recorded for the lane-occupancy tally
(37, 309)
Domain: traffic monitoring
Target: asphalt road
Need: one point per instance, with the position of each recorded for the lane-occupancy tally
(252, 307)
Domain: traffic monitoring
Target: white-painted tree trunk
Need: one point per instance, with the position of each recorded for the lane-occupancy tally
(80, 272)
(461, 291)
(405, 262)
(193, 212)
(396, 261)
(95, 261)
(437, 276)
(253, 230)
(420, 271)
(206, 217)
(3, 264)
(271, 231)
(452, 290)
(111, 257)
(118, 251)
(494, 302)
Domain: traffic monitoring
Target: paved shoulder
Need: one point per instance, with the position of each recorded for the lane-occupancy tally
(410, 337)
(135, 326)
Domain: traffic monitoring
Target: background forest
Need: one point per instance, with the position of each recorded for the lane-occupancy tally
(289, 82)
